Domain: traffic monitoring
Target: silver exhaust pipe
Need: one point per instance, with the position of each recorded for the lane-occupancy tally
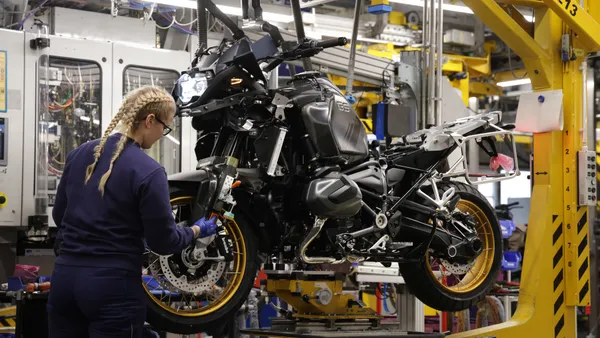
(312, 234)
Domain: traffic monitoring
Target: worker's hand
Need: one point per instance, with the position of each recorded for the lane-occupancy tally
(204, 228)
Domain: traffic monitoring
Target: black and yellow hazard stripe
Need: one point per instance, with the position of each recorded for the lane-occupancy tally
(582, 262)
(559, 275)
(7, 322)
(368, 124)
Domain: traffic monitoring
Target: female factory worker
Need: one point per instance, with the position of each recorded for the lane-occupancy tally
(112, 196)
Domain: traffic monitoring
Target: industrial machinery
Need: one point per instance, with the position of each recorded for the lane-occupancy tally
(75, 86)
(137, 66)
(290, 174)
(556, 264)
(74, 109)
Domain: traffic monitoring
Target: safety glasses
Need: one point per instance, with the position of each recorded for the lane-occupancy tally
(166, 129)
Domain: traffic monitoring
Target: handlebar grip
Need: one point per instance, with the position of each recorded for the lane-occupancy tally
(332, 43)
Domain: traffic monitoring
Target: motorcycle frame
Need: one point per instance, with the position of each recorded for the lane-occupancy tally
(462, 141)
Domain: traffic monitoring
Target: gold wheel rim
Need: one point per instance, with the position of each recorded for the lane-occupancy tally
(482, 265)
(234, 282)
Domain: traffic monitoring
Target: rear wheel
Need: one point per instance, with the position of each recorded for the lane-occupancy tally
(448, 286)
(191, 295)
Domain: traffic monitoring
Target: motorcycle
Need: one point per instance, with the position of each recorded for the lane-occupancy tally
(290, 175)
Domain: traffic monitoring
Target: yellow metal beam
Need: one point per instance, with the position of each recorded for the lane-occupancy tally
(533, 54)
(519, 18)
(477, 88)
(509, 76)
(524, 3)
(453, 66)
(576, 227)
(555, 275)
(476, 66)
(578, 20)
(593, 8)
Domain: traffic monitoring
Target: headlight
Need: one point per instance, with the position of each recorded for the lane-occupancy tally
(191, 86)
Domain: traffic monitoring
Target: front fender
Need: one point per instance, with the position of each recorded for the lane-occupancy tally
(189, 176)
(199, 183)
(256, 214)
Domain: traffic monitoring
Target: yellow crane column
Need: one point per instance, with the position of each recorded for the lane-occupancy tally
(555, 275)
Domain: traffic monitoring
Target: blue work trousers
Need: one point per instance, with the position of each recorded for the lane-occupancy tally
(95, 302)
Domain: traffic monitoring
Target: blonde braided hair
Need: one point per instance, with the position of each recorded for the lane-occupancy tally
(135, 107)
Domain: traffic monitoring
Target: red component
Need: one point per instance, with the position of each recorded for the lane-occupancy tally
(506, 162)
(588, 310)
(261, 275)
(444, 321)
(378, 297)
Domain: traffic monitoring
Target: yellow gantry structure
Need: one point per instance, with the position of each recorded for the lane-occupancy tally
(555, 276)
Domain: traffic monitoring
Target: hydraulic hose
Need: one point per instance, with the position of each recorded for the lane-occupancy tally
(219, 15)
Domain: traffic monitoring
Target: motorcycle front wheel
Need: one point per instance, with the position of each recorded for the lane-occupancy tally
(187, 296)
(447, 286)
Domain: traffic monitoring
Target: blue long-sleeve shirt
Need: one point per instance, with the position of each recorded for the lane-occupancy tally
(108, 231)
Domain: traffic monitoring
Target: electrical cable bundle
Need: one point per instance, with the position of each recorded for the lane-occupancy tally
(56, 107)
(385, 296)
(54, 165)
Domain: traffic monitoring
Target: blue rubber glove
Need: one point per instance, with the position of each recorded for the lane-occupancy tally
(207, 227)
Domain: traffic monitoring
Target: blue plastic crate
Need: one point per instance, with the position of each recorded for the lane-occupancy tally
(507, 227)
(511, 260)
(15, 283)
(380, 9)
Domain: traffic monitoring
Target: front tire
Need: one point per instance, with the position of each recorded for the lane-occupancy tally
(433, 291)
(166, 315)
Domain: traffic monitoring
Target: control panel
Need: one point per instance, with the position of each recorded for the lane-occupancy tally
(11, 127)
(3, 155)
(3, 142)
(586, 163)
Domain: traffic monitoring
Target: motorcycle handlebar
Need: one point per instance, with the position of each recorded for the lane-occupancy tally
(307, 48)
(507, 206)
(332, 43)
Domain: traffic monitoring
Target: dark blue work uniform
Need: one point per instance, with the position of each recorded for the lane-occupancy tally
(96, 285)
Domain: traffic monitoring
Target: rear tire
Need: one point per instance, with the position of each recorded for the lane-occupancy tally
(427, 288)
(213, 323)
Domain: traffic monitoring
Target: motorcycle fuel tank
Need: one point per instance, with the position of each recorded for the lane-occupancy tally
(335, 130)
(335, 196)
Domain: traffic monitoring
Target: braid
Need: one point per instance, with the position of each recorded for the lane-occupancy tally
(98, 149)
(127, 115)
(128, 121)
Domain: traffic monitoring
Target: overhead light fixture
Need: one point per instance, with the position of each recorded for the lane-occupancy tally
(447, 7)
(229, 10)
(513, 83)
